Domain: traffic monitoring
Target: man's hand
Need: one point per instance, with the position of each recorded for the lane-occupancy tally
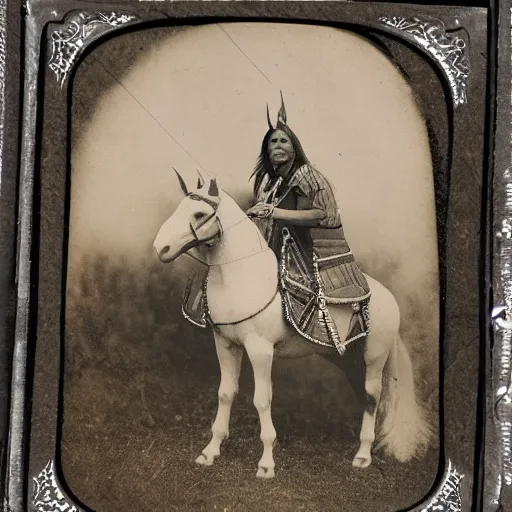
(260, 210)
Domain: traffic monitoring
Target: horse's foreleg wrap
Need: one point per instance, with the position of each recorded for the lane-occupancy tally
(230, 360)
(261, 353)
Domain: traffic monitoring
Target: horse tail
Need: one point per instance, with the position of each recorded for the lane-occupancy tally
(404, 430)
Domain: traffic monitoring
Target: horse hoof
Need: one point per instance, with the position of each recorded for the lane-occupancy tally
(202, 460)
(265, 472)
(361, 462)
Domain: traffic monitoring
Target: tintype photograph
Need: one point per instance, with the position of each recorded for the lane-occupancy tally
(252, 312)
(252, 266)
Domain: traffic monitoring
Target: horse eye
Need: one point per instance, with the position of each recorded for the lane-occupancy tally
(199, 215)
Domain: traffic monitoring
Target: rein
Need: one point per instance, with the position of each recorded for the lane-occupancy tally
(236, 322)
(244, 319)
(197, 197)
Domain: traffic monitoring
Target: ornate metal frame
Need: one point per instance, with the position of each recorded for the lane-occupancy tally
(447, 37)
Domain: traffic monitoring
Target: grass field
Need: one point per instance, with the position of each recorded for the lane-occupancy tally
(140, 396)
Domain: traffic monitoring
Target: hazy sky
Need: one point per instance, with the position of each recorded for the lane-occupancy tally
(203, 92)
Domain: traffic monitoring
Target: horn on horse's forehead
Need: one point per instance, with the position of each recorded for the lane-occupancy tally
(281, 116)
(213, 190)
(183, 185)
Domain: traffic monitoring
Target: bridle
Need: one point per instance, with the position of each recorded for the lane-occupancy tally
(198, 240)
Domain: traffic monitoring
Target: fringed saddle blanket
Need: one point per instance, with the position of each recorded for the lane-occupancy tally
(306, 294)
(335, 279)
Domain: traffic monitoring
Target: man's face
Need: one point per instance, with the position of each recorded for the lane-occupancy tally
(280, 149)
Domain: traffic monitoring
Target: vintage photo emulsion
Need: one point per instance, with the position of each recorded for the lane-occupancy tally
(252, 250)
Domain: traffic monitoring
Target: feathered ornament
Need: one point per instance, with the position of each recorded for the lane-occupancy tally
(281, 116)
(270, 127)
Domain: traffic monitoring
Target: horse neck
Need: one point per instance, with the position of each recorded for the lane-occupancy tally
(241, 238)
(243, 270)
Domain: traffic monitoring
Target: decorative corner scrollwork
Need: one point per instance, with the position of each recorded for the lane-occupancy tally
(448, 50)
(48, 495)
(76, 30)
(447, 498)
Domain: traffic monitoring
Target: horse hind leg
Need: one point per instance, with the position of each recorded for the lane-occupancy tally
(261, 352)
(373, 391)
(230, 360)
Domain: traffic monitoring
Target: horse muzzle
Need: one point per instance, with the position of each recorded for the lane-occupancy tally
(205, 232)
(166, 254)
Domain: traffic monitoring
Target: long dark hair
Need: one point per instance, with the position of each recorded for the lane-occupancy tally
(264, 166)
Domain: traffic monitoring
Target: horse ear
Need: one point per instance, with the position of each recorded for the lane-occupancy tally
(214, 189)
(183, 185)
(200, 180)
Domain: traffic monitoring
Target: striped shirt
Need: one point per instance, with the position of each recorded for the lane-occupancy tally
(310, 184)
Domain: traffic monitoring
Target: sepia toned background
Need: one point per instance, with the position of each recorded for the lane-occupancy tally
(140, 382)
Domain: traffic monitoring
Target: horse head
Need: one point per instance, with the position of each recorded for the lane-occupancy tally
(195, 221)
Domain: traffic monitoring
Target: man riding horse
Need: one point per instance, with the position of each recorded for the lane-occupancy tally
(282, 298)
(297, 214)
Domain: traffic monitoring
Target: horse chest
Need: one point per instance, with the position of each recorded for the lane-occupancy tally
(238, 294)
(268, 324)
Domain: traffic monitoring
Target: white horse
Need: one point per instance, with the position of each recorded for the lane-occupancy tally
(246, 312)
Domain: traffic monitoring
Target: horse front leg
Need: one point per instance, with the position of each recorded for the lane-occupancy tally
(230, 360)
(261, 353)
